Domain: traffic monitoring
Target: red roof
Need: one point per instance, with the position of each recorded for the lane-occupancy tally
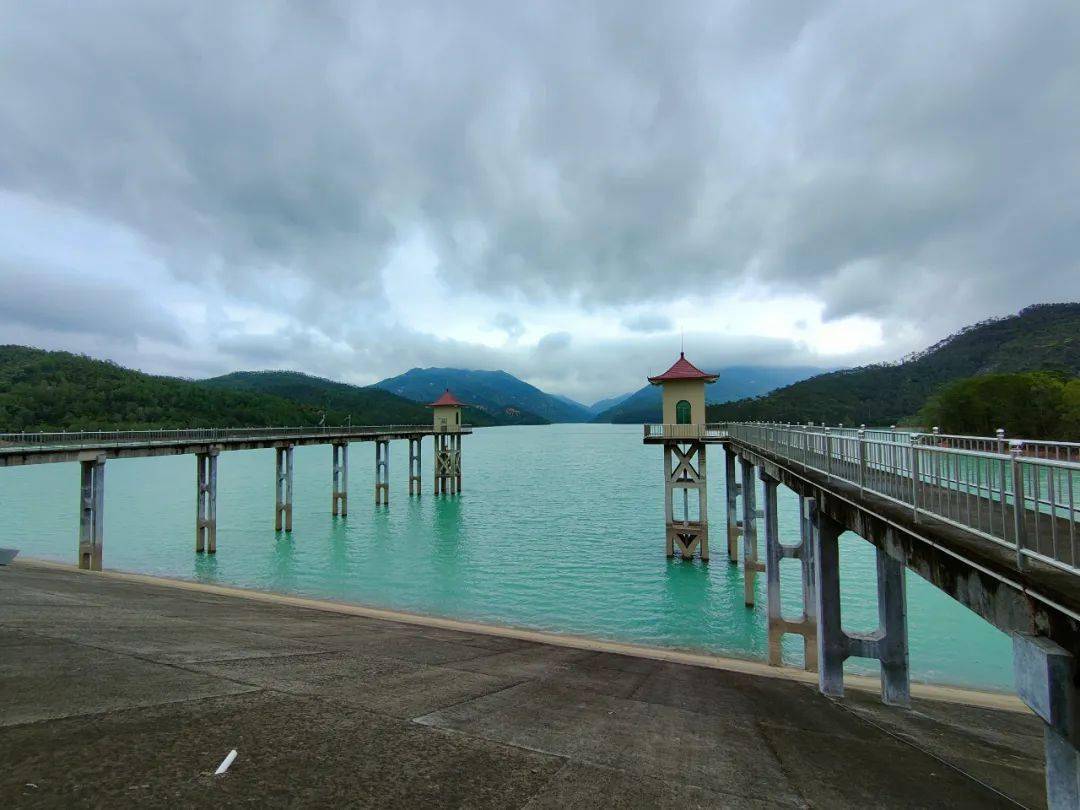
(446, 399)
(683, 370)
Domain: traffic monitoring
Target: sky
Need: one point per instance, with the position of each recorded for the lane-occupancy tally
(565, 190)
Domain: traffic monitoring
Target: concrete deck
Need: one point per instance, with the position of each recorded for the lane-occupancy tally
(123, 693)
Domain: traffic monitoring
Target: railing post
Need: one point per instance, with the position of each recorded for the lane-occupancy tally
(828, 454)
(1016, 450)
(862, 458)
(914, 444)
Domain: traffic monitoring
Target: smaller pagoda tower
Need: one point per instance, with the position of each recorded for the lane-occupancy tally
(685, 477)
(447, 416)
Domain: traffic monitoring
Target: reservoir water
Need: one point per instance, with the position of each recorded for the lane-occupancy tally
(559, 528)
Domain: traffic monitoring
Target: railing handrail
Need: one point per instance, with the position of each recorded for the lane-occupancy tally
(16, 441)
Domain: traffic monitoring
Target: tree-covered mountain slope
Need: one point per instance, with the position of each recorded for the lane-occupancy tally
(1045, 337)
(493, 391)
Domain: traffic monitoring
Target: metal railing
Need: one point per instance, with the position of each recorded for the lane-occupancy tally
(1018, 493)
(112, 438)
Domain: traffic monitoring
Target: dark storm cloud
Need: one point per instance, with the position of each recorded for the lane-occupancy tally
(910, 162)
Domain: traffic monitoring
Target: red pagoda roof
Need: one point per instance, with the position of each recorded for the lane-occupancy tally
(446, 399)
(683, 370)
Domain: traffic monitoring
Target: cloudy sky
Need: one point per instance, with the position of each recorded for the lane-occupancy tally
(558, 189)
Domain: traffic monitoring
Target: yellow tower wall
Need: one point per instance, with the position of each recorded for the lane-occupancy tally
(693, 391)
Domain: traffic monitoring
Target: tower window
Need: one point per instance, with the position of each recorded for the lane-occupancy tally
(682, 412)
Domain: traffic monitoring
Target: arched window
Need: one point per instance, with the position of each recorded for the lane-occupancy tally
(457, 417)
(682, 412)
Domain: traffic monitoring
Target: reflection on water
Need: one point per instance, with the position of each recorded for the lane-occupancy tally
(559, 528)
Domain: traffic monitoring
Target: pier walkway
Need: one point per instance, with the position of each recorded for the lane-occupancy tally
(119, 691)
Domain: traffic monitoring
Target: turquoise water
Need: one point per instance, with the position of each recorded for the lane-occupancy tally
(559, 528)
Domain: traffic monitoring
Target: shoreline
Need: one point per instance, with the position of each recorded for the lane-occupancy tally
(949, 694)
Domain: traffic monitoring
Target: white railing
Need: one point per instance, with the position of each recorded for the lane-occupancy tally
(689, 432)
(111, 438)
(1021, 494)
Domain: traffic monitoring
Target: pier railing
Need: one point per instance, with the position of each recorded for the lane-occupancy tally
(1019, 493)
(102, 438)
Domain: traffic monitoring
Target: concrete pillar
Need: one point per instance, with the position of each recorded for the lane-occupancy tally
(284, 487)
(414, 467)
(685, 470)
(91, 511)
(447, 463)
(889, 643)
(457, 463)
(1046, 680)
(206, 501)
(339, 497)
(382, 472)
(731, 495)
(751, 564)
(775, 551)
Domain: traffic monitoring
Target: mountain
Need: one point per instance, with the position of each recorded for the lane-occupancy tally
(1044, 337)
(602, 405)
(735, 382)
(491, 391)
(367, 405)
(42, 390)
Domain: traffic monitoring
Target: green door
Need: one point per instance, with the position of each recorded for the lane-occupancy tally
(682, 412)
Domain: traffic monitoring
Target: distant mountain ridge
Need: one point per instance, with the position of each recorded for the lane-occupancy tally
(491, 391)
(1043, 337)
(735, 382)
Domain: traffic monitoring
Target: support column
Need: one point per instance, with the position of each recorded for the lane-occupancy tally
(382, 472)
(91, 511)
(682, 474)
(889, 643)
(447, 463)
(284, 487)
(339, 497)
(775, 551)
(206, 501)
(731, 495)
(414, 467)
(1046, 681)
(751, 564)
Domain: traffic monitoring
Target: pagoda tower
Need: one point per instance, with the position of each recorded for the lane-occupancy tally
(685, 480)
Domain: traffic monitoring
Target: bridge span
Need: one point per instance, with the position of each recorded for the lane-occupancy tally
(993, 522)
(92, 449)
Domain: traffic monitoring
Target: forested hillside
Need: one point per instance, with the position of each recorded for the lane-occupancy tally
(365, 405)
(496, 392)
(42, 390)
(1045, 337)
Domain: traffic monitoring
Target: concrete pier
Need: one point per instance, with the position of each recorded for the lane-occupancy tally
(685, 472)
(414, 467)
(888, 643)
(751, 563)
(382, 473)
(91, 510)
(284, 487)
(339, 498)
(731, 495)
(206, 501)
(775, 551)
(447, 463)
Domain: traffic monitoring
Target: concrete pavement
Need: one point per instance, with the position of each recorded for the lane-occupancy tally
(129, 693)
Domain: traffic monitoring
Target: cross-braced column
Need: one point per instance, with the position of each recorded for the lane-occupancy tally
(206, 501)
(414, 467)
(91, 512)
(888, 644)
(339, 497)
(283, 489)
(775, 551)
(687, 533)
(751, 563)
(731, 495)
(447, 463)
(382, 472)
(1046, 680)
